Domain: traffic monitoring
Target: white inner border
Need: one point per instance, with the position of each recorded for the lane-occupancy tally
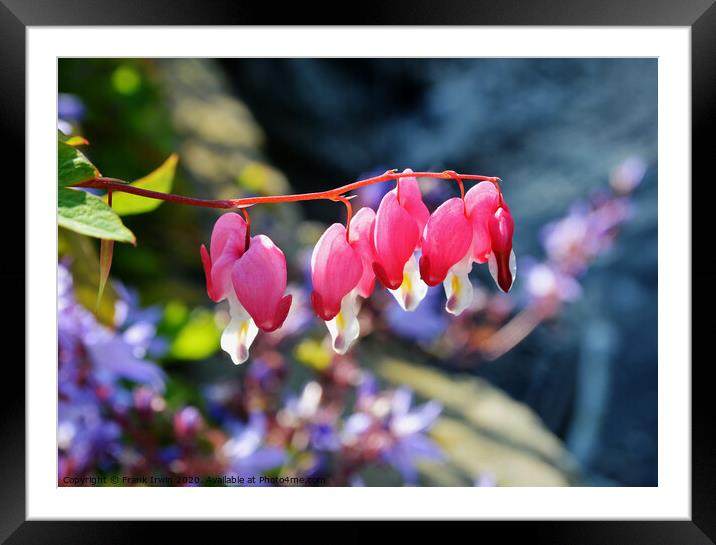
(671, 499)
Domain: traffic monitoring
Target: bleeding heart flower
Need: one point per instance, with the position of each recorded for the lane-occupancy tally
(502, 260)
(228, 242)
(251, 275)
(399, 223)
(481, 201)
(493, 227)
(446, 241)
(361, 239)
(336, 271)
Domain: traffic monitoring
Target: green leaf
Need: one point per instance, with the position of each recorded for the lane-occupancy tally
(72, 140)
(106, 250)
(198, 338)
(159, 180)
(72, 166)
(87, 214)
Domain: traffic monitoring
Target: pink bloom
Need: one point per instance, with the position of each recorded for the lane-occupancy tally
(336, 268)
(228, 241)
(412, 199)
(259, 279)
(482, 200)
(252, 278)
(336, 271)
(399, 224)
(361, 238)
(447, 238)
(502, 261)
(492, 229)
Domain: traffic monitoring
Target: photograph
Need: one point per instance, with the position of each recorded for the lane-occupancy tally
(357, 272)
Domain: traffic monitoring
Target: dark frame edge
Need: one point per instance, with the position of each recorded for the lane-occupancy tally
(12, 272)
(700, 530)
(703, 120)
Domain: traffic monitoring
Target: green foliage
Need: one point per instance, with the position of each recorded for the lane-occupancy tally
(160, 179)
(126, 117)
(106, 250)
(87, 214)
(72, 165)
(72, 140)
(82, 254)
(195, 333)
(198, 338)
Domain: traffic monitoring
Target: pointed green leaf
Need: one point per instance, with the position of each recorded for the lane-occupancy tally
(106, 250)
(72, 140)
(159, 180)
(72, 166)
(87, 214)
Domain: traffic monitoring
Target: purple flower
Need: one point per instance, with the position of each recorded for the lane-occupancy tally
(187, 422)
(84, 436)
(93, 362)
(114, 360)
(628, 175)
(409, 427)
(70, 107)
(543, 281)
(247, 453)
(304, 412)
(400, 433)
(426, 323)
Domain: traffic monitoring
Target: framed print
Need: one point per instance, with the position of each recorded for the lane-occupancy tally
(434, 267)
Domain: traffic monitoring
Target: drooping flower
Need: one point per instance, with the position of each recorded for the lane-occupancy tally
(502, 260)
(251, 275)
(399, 225)
(361, 239)
(481, 201)
(446, 255)
(341, 270)
(492, 229)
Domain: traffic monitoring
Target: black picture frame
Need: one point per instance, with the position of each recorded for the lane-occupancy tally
(699, 15)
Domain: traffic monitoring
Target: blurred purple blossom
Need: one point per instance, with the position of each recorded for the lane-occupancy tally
(187, 422)
(247, 452)
(542, 281)
(427, 322)
(628, 175)
(70, 107)
(92, 362)
(387, 421)
(409, 429)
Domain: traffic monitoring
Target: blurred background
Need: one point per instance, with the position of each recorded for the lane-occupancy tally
(552, 384)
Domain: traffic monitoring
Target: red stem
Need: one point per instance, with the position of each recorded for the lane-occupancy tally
(332, 194)
(349, 214)
(247, 242)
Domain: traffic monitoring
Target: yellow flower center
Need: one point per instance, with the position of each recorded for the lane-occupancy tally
(455, 284)
(407, 285)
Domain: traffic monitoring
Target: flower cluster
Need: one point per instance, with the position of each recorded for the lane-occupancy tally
(307, 437)
(573, 242)
(94, 363)
(116, 416)
(402, 244)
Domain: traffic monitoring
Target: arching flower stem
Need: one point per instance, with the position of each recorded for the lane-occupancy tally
(454, 175)
(332, 194)
(349, 213)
